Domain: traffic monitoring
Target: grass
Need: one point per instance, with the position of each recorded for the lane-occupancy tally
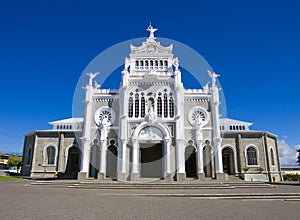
(3, 178)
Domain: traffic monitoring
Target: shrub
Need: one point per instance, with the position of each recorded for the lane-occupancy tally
(291, 177)
(245, 169)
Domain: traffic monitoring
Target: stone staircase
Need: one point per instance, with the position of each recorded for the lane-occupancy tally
(152, 184)
(193, 189)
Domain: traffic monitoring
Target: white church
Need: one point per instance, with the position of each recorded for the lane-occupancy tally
(152, 127)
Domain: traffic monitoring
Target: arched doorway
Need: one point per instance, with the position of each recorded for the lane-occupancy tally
(112, 160)
(190, 162)
(151, 160)
(228, 160)
(94, 160)
(207, 160)
(73, 166)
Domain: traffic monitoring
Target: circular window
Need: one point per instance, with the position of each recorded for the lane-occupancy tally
(198, 116)
(104, 116)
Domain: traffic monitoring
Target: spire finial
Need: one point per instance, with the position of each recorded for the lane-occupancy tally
(151, 31)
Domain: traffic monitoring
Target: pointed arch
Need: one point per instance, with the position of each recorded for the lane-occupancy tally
(50, 155)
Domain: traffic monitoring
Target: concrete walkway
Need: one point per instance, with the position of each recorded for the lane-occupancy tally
(23, 200)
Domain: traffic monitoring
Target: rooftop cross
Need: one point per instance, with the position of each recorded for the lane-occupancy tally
(151, 31)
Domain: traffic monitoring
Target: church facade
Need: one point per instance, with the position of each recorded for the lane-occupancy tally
(151, 128)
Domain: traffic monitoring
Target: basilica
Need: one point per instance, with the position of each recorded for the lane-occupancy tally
(152, 127)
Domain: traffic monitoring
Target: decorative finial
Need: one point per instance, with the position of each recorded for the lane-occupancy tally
(151, 31)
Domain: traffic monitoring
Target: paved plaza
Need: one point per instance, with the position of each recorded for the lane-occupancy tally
(22, 200)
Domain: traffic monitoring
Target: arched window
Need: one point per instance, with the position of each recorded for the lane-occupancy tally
(28, 159)
(166, 63)
(161, 64)
(137, 64)
(151, 64)
(130, 107)
(143, 107)
(251, 156)
(50, 155)
(171, 107)
(165, 105)
(142, 64)
(146, 64)
(156, 63)
(272, 157)
(159, 107)
(136, 106)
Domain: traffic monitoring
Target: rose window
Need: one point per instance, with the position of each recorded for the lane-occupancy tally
(198, 116)
(104, 116)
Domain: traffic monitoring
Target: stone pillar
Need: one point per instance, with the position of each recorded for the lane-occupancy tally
(102, 170)
(200, 170)
(180, 160)
(85, 146)
(62, 161)
(122, 160)
(215, 102)
(135, 161)
(168, 173)
(85, 152)
(218, 159)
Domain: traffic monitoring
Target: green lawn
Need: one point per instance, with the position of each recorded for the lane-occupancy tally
(8, 178)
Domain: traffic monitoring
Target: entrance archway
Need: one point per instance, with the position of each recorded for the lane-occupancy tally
(94, 160)
(228, 161)
(207, 160)
(190, 162)
(73, 166)
(112, 160)
(151, 160)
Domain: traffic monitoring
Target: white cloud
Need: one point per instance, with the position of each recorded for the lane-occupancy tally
(287, 154)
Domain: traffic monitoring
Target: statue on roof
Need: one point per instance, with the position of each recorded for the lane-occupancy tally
(176, 63)
(91, 77)
(213, 77)
(151, 31)
(127, 63)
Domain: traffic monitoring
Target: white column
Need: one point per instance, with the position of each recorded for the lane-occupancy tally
(167, 156)
(135, 157)
(122, 156)
(200, 156)
(85, 153)
(215, 102)
(218, 155)
(180, 156)
(103, 157)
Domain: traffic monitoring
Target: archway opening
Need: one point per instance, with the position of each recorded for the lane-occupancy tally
(112, 160)
(207, 160)
(73, 166)
(190, 162)
(228, 161)
(94, 160)
(151, 160)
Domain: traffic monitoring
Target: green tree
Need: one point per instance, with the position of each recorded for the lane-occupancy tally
(15, 161)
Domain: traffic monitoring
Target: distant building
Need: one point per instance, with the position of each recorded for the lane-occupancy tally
(4, 161)
(290, 170)
(152, 127)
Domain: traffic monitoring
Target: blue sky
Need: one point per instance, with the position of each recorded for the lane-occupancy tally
(45, 46)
